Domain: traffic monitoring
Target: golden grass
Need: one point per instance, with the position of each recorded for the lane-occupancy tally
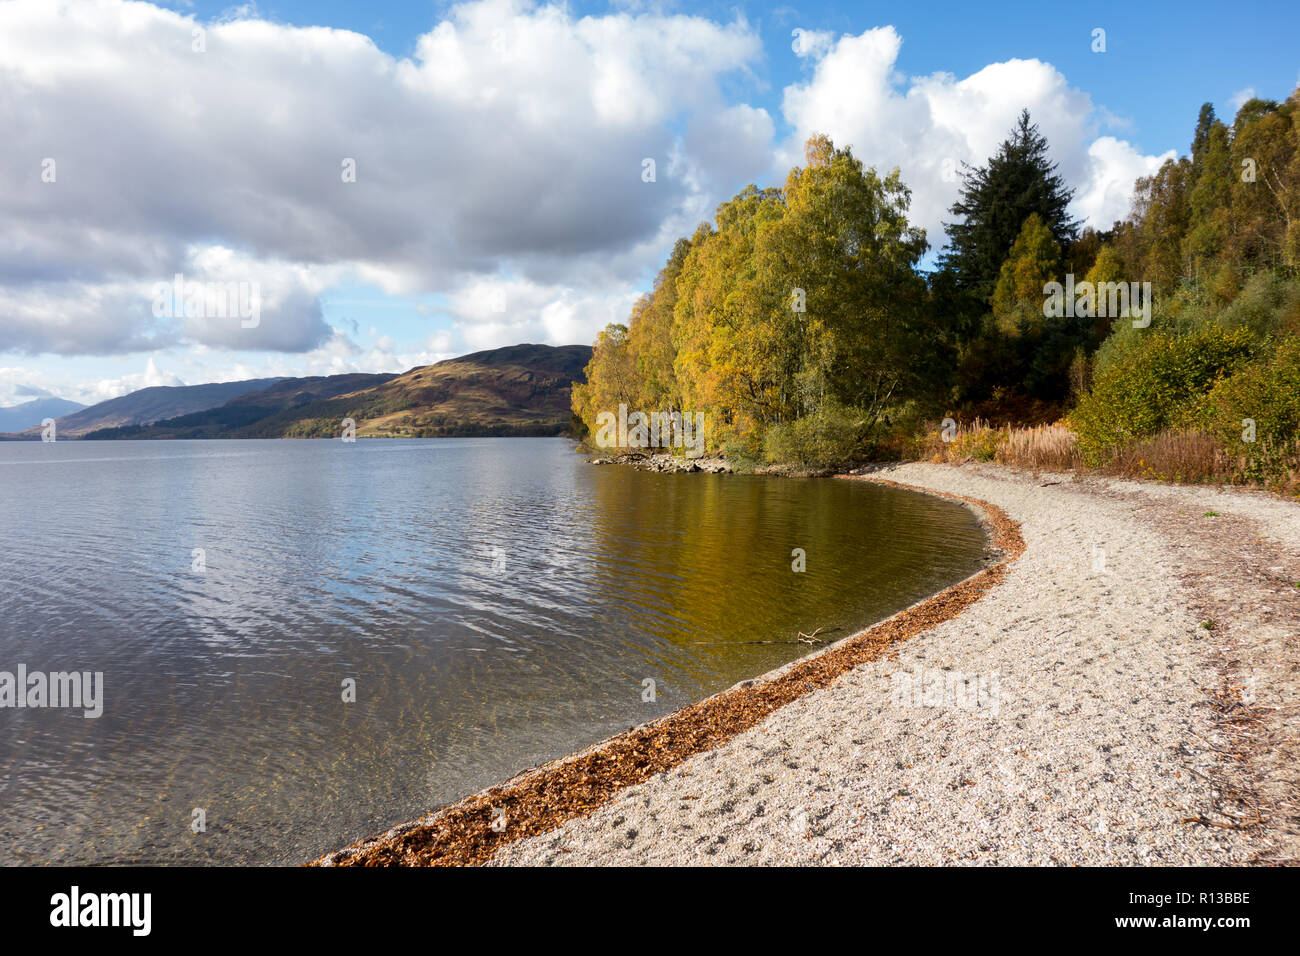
(1178, 455)
(1040, 448)
(1185, 456)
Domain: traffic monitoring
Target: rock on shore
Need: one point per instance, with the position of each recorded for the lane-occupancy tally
(662, 463)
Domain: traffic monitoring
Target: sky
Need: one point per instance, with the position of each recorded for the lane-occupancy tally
(388, 184)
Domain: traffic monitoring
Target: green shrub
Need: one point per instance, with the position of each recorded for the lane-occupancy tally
(1266, 394)
(827, 438)
(1154, 384)
(979, 443)
(1268, 305)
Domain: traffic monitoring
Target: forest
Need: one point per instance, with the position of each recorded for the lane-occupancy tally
(802, 323)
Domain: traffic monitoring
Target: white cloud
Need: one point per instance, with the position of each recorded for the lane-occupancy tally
(1240, 98)
(511, 140)
(1107, 192)
(18, 385)
(498, 171)
(728, 147)
(811, 42)
(108, 388)
(929, 125)
(489, 313)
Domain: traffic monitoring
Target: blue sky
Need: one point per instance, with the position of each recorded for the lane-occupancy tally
(1163, 60)
(498, 198)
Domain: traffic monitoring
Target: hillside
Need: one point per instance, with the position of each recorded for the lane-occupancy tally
(516, 390)
(28, 414)
(240, 417)
(150, 405)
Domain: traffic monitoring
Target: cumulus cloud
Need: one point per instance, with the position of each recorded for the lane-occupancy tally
(107, 388)
(1105, 194)
(497, 171)
(490, 313)
(515, 134)
(928, 126)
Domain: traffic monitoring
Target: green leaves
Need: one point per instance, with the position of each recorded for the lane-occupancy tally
(1034, 261)
(1154, 385)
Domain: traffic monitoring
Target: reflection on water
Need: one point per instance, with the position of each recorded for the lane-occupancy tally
(498, 603)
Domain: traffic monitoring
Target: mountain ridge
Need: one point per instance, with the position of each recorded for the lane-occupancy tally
(15, 418)
(513, 390)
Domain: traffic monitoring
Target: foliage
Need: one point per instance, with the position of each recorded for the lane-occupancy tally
(996, 199)
(1033, 262)
(795, 304)
(1151, 387)
(798, 321)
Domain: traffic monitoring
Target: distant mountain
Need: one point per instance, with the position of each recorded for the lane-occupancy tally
(239, 417)
(15, 418)
(517, 390)
(150, 405)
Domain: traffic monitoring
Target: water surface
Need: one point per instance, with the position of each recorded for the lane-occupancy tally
(498, 603)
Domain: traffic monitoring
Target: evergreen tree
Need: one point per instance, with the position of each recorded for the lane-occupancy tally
(1019, 181)
(1205, 122)
(1209, 200)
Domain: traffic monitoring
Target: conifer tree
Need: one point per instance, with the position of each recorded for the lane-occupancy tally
(996, 199)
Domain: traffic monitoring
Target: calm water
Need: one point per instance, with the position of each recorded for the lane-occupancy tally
(498, 602)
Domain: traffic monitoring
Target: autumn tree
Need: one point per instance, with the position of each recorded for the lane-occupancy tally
(846, 251)
(611, 377)
(1033, 262)
(650, 336)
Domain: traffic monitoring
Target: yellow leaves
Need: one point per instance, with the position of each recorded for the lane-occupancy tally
(720, 335)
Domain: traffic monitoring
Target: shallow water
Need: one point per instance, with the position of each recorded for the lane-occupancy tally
(498, 603)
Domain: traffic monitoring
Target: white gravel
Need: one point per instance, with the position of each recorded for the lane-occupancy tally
(1102, 742)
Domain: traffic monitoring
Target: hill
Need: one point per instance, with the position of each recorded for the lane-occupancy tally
(240, 417)
(151, 404)
(28, 414)
(516, 390)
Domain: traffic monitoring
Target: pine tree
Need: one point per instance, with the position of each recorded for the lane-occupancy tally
(1019, 181)
(1205, 122)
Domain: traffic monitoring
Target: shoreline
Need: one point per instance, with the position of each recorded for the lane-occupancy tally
(539, 800)
(1129, 732)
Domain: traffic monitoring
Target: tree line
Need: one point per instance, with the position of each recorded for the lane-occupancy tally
(801, 322)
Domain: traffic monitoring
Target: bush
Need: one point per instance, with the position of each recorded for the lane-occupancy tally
(1267, 395)
(1268, 306)
(1154, 386)
(974, 442)
(827, 438)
